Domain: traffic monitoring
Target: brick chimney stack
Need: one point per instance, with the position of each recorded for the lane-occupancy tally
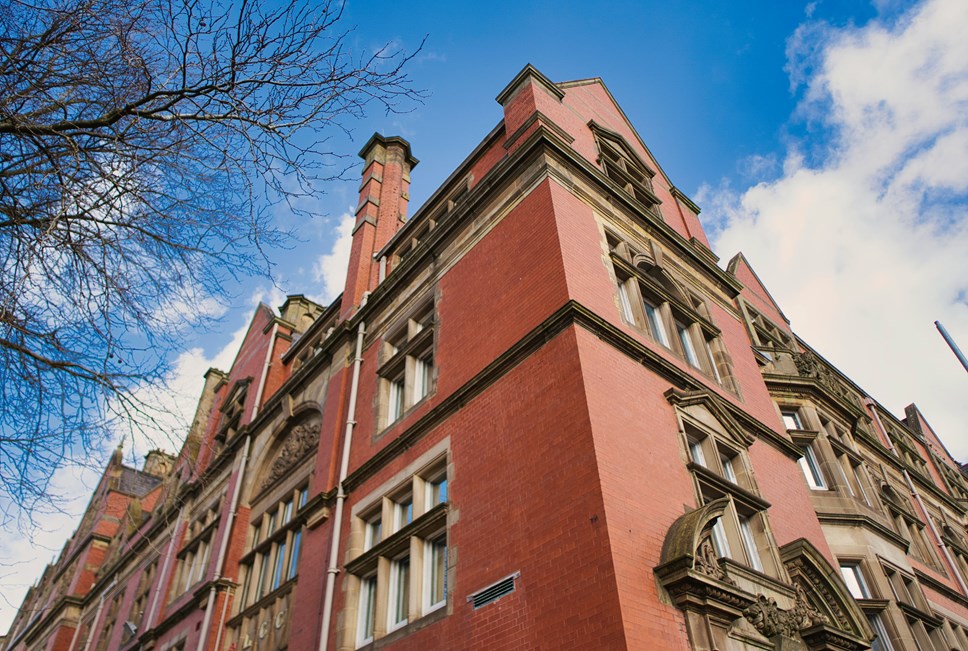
(382, 210)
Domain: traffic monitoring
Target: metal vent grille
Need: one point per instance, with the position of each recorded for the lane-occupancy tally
(494, 591)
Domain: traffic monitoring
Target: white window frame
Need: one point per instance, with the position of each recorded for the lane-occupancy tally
(810, 466)
(853, 576)
(396, 598)
(430, 567)
(366, 615)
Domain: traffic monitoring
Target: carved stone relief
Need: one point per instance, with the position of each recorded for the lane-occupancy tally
(810, 366)
(300, 441)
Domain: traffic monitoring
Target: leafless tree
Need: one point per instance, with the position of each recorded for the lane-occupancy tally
(144, 146)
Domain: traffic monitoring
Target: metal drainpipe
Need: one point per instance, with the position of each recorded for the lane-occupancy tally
(910, 484)
(160, 579)
(265, 371)
(340, 492)
(223, 546)
(97, 615)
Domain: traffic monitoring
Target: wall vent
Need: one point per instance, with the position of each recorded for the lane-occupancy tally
(494, 591)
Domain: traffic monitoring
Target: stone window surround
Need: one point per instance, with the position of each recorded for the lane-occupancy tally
(412, 541)
(407, 372)
(642, 280)
(711, 481)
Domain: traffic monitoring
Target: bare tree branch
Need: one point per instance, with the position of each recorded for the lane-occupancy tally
(143, 146)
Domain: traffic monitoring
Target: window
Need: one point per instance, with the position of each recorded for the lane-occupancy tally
(399, 610)
(791, 419)
(193, 558)
(274, 557)
(400, 570)
(142, 593)
(765, 333)
(670, 315)
(435, 573)
(720, 471)
(811, 468)
(882, 642)
(374, 530)
(408, 370)
(623, 166)
(367, 612)
(854, 578)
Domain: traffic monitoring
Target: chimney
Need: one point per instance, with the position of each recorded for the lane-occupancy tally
(382, 210)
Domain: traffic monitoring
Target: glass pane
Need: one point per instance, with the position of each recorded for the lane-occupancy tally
(719, 538)
(728, 471)
(687, 348)
(881, 642)
(367, 609)
(791, 420)
(438, 571)
(749, 542)
(279, 565)
(623, 297)
(439, 488)
(400, 592)
(656, 324)
(374, 531)
(695, 451)
(294, 555)
(395, 402)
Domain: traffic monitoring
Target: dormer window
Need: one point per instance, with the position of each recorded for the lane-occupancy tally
(623, 166)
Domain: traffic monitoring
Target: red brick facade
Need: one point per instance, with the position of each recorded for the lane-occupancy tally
(559, 397)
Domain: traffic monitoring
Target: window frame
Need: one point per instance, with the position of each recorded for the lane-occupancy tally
(408, 374)
(271, 562)
(742, 533)
(674, 318)
(415, 542)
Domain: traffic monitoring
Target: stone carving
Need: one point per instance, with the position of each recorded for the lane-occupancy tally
(809, 365)
(300, 441)
(767, 618)
(807, 614)
(808, 574)
(771, 620)
(708, 564)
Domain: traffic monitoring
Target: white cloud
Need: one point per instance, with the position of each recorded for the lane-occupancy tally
(865, 246)
(330, 268)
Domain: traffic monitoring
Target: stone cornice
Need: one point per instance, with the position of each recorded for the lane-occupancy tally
(859, 520)
(940, 587)
(571, 313)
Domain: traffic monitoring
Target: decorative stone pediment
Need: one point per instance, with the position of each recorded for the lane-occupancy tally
(298, 442)
(818, 612)
(823, 586)
(706, 408)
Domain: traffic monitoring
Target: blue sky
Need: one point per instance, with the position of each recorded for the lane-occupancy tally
(826, 140)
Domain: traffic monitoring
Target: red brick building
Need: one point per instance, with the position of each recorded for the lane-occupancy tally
(540, 416)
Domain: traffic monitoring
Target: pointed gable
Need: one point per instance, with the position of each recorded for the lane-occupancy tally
(757, 296)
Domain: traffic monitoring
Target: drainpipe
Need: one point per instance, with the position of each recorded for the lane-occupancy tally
(917, 497)
(265, 371)
(97, 615)
(150, 620)
(340, 492)
(223, 548)
(233, 510)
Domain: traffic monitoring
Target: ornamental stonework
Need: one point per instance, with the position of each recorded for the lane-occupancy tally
(300, 441)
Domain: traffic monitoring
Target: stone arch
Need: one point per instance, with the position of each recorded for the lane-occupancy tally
(825, 590)
(292, 443)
